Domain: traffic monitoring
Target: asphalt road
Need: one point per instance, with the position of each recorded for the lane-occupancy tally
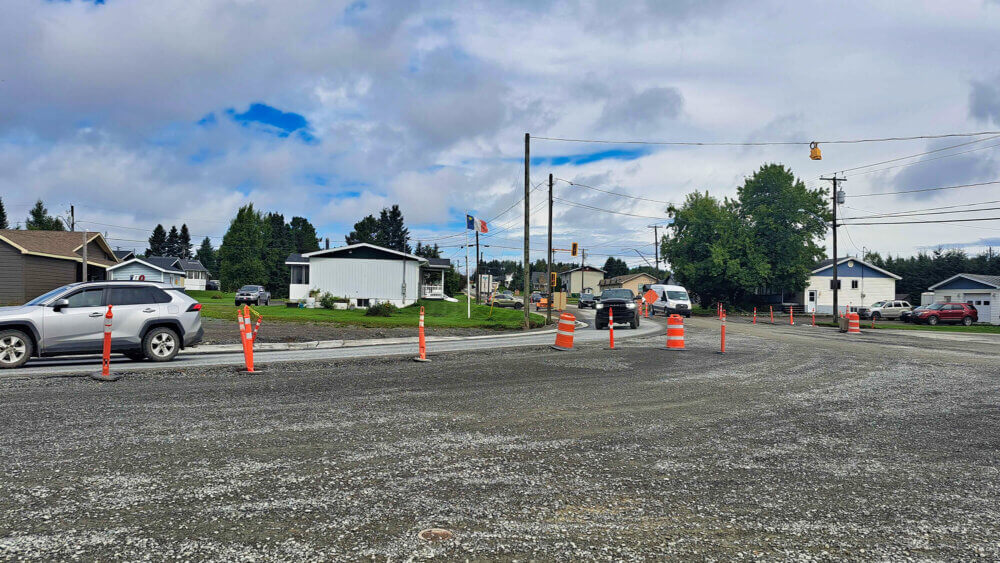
(798, 444)
(77, 365)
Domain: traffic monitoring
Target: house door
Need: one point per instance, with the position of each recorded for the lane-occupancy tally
(811, 301)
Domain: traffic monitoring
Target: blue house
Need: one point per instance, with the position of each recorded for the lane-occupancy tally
(861, 284)
(166, 269)
(977, 290)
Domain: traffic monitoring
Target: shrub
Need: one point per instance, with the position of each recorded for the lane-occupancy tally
(381, 310)
(327, 301)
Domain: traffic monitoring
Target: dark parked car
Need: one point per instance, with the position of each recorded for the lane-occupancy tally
(587, 300)
(948, 313)
(212, 285)
(619, 303)
(908, 316)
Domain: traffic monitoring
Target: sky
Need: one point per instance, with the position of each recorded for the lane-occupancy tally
(138, 113)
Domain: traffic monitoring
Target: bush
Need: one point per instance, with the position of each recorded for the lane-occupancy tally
(381, 310)
(327, 301)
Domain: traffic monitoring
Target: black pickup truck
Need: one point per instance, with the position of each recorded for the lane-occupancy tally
(619, 304)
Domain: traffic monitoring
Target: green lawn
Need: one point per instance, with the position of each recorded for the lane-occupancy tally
(437, 314)
(211, 296)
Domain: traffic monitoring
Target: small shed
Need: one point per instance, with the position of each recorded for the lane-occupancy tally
(978, 290)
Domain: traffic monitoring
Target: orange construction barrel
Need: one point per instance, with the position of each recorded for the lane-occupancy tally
(853, 323)
(675, 332)
(564, 332)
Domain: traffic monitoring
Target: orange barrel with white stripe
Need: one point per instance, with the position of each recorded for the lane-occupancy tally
(853, 323)
(564, 332)
(675, 332)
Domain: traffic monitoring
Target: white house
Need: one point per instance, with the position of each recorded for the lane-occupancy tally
(165, 269)
(195, 274)
(367, 274)
(582, 278)
(977, 290)
(861, 283)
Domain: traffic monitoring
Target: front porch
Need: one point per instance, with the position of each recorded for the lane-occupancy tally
(432, 282)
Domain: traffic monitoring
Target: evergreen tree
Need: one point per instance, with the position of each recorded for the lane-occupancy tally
(393, 231)
(365, 230)
(304, 235)
(279, 245)
(157, 241)
(184, 243)
(3, 216)
(242, 250)
(172, 246)
(206, 255)
(427, 251)
(613, 267)
(40, 220)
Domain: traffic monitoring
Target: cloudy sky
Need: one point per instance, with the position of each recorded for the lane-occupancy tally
(179, 111)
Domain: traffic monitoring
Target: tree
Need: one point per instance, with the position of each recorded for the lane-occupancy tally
(427, 251)
(304, 235)
(280, 244)
(207, 256)
(3, 216)
(365, 230)
(157, 242)
(454, 282)
(614, 267)
(40, 220)
(184, 243)
(172, 246)
(787, 222)
(242, 250)
(392, 228)
(712, 252)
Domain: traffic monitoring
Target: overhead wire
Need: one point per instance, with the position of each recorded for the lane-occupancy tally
(765, 143)
(619, 194)
(978, 184)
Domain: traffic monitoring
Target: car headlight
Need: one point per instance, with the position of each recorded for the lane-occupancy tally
(599, 306)
(630, 305)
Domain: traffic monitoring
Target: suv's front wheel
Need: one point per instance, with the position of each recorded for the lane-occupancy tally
(15, 348)
(160, 344)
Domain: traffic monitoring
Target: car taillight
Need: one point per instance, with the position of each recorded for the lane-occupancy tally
(194, 307)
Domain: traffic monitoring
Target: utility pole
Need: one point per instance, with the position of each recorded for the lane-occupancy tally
(836, 198)
(83, 266)
(656, 247)
(548, 273)
(527, 227)
(72, 218)
(479, 276)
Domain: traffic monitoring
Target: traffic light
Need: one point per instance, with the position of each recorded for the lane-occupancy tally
(553, 281)
(573, 249)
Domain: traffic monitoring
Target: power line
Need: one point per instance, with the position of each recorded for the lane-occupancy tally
(930, 189)
(765, 143)
(575, 204)
(921, 154)
(905, 211)
(930, 159)
(872, 215)
(893, 215)
(614, 193)
(925, 221)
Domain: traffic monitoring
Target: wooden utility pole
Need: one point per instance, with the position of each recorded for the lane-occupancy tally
(656, 248)
(527, 227)
(548, 275)
(83, 265)
(835, 283)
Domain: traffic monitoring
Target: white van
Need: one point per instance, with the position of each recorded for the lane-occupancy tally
(673, 299)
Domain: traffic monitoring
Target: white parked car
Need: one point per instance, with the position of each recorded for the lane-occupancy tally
(889, 309)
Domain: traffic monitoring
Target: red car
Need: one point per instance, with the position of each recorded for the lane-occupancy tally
(947, 313)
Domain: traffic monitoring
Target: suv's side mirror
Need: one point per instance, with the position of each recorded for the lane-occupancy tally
(60, 304)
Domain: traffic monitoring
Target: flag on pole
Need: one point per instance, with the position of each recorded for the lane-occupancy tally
(476, 224)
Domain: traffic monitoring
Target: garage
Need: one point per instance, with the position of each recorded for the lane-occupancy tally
(979, 290)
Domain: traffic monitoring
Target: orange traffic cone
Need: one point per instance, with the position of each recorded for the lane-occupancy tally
(423, 342)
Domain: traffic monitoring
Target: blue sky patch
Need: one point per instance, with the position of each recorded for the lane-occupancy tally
(587, 158)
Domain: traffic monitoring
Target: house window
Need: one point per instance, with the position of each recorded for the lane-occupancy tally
(300, 275)
(854, 284)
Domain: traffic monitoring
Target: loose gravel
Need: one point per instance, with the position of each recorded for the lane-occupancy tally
(798, 444)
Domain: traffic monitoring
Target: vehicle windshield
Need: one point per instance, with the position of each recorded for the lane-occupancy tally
(46, 296)
(586, 296)
(677, 295)
(936, 307)
(616, 294)
(249, 288)
(878, 303)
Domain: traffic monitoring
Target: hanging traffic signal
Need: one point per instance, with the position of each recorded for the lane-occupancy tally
(572, 249)
(814, 152)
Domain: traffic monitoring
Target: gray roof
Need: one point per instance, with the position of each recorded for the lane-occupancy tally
(192, 266)
(824, 264)
(981, 278)
(587, 268)
(439, 262)
(165, 262)
(296, 258)
(124, 254)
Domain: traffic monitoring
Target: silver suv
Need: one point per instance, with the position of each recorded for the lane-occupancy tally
(255, 294)
(150, 320)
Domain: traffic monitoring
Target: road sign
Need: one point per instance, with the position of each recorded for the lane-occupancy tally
(650, 296)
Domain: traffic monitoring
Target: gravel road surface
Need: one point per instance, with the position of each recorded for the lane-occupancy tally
(799, 443)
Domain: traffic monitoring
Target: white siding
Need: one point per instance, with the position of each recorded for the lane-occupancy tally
(356, 278)
(869, 291)
(590, 279)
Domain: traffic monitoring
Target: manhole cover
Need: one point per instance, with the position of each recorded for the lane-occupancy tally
(435, 534)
